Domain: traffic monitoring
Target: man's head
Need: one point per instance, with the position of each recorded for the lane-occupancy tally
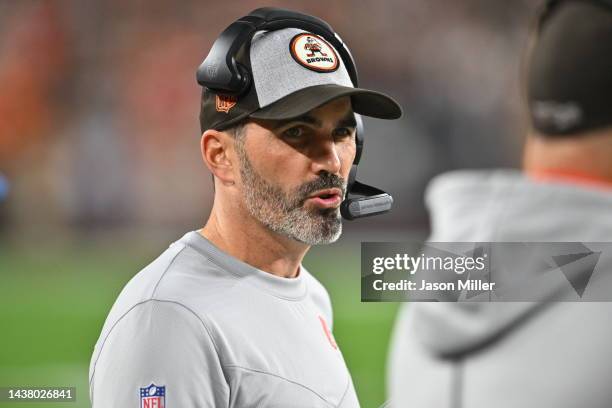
(289, 175)
(282, 150)
(569, 88)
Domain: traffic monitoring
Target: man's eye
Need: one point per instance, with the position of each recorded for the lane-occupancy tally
(343, 132)
(294, 132)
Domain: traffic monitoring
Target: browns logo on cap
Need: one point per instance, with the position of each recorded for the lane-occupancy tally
(313, 52)
(225, 102)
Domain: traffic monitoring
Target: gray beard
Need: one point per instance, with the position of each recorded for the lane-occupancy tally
(285, 214)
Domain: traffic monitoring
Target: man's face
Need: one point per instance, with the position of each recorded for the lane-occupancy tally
(294, 173)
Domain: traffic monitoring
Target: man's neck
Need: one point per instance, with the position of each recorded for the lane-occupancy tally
(583, 160)
(251, 242)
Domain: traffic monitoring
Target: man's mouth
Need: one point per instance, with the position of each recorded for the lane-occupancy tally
(327, 198)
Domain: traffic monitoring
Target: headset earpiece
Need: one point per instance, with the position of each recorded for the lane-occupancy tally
(220, 72)
(359, 133)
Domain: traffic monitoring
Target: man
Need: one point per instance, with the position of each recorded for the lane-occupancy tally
(521, 354)
(228, 316)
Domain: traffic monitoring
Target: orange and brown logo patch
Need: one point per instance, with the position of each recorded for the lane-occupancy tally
(225, 102)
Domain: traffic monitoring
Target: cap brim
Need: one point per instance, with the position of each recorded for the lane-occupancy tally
(364, 102)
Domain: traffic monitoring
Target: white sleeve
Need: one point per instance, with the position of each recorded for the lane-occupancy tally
(160, 343)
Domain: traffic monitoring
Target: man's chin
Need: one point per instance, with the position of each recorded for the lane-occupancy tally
(309, 226)
(324, 234)
(333, 238)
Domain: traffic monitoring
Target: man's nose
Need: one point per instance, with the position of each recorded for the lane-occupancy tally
(326, 158)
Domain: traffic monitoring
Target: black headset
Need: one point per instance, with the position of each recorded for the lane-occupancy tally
(222, 74)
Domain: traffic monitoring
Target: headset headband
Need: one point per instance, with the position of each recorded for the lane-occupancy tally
(222, 74)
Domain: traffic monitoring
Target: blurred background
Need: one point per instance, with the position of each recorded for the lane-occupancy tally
(100, 166)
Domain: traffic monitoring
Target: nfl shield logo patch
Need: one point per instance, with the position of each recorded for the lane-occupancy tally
(153, 396)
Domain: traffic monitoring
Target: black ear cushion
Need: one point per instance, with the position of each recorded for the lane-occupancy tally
(359, 134)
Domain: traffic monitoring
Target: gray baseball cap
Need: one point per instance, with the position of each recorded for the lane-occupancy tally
(293, 72)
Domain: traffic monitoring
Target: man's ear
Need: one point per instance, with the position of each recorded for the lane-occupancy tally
(215, 147)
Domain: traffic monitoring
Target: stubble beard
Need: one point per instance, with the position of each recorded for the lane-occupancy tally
(286, 214)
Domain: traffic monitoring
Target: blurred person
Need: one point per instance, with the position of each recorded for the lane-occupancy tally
(526, 354)
(228, 315)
